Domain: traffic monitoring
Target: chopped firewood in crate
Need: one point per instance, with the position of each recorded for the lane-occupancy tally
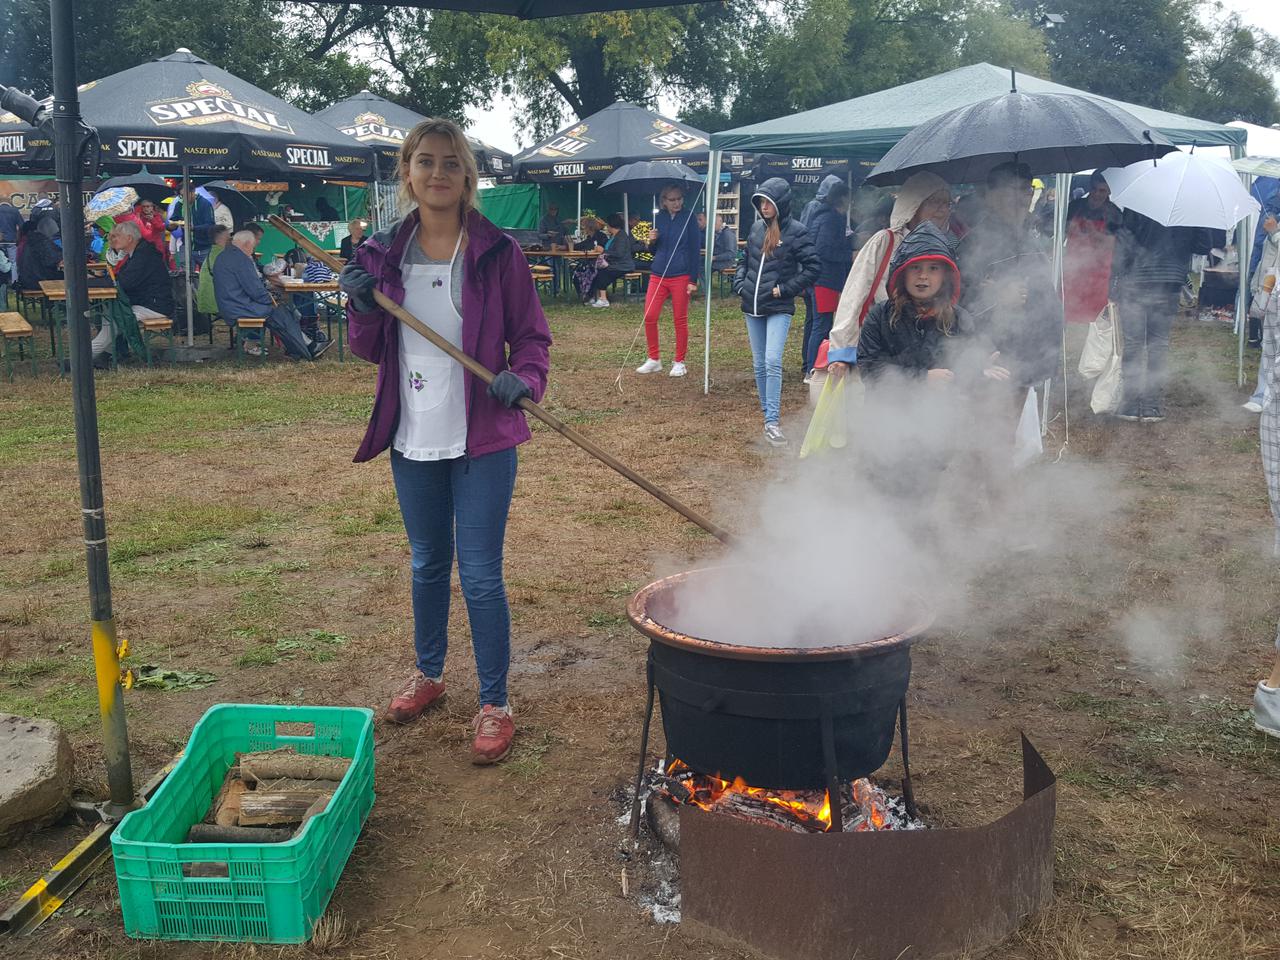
(225, 809)
(289, 783)
(273, 808)
(320, 805)
(212, 833)
(285, 762)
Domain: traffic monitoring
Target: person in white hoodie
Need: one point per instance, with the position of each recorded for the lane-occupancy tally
(925, 196)
(1266, 698)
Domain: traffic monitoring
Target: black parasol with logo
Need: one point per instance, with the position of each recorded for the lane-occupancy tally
(619, 134)
(18, 143)
(382, 125)
(180, 111)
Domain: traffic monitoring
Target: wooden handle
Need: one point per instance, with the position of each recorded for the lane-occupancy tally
(485, 374)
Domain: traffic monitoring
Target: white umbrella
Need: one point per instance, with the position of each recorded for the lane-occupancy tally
(1183, 190)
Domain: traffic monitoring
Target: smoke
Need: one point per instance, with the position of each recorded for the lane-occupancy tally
(921, 519)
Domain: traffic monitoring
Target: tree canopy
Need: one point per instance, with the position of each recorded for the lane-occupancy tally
(726, 63)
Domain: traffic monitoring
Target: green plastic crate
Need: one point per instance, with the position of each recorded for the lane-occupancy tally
(273, 892)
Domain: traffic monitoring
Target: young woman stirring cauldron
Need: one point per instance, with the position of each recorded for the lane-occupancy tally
(453, 457)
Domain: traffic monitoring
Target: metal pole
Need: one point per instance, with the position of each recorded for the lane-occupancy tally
(188, 237)
(713, 204)
(626, 215)
(577, 224)
(1244, 240)
(66, 125)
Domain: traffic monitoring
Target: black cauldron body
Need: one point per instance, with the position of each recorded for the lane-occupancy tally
(759, 713)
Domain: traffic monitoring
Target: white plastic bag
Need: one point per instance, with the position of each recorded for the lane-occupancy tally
(1258, 307)
(1099, 344)
(1109, 388)
(1027, 442)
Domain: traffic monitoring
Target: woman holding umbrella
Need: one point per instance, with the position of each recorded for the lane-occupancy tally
(452, 444)
(677, 264)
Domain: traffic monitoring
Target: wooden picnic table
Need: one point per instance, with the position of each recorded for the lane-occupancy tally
(56, 291)
(325, 286)
(560, 264)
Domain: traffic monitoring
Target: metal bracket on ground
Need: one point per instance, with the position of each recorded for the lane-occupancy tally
(43, 898)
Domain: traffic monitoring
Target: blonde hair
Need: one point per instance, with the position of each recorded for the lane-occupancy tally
(470, 170)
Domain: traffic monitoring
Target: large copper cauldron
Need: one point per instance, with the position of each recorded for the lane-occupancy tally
(782, 718)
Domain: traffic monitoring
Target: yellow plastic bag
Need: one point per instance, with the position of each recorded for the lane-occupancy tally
(829, 426)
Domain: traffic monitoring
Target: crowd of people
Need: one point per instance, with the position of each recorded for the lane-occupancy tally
(144, 251)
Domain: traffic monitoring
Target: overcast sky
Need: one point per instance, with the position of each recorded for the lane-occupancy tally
(496, 125)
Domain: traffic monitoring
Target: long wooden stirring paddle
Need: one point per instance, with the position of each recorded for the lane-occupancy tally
(552, 421)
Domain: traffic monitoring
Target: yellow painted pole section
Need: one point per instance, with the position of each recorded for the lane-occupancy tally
(115, 739)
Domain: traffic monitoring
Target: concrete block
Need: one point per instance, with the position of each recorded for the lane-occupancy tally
(36, 766)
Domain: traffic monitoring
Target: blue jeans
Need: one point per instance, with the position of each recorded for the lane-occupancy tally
(473, 495)
(768, 337)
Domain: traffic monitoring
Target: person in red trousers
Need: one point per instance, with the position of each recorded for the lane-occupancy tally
(677, 265)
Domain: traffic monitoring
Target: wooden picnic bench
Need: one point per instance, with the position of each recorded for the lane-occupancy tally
(14, 327)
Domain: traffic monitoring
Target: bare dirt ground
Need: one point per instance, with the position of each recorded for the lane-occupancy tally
(248, 546)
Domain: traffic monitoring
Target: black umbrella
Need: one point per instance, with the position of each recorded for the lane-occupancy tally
(650, 176)
(1050, 132)
(619, 134)
(148, 186)
(241, 207)
(382, 125)
(18, 141)
(180, 111)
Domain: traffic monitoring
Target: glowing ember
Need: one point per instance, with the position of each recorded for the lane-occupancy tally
(864, 805)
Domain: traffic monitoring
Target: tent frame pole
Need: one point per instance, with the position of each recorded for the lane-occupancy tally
(713, 204)
(68, 140)
(1244, 244)
(188, 237)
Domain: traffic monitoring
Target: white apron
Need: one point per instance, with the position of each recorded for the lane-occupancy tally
(433, 408)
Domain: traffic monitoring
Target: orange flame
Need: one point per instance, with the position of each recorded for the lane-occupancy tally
(708, 792)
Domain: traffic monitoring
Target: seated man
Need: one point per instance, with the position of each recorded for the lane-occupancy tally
(725, 252)
(142, 276)
(241, 292)
(550, 230)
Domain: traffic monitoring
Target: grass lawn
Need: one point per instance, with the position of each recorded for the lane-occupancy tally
(245, 544)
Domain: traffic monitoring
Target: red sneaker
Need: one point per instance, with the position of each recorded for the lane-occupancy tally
(493, 729)
(411, 702)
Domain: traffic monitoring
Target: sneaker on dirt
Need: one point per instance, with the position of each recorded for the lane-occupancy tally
(773, 433)
(678, 369)
(649, 366)
(493, 729)
(1266, 709)
(411, 702)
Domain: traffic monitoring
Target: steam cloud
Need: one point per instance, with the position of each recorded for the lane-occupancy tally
(853, 545)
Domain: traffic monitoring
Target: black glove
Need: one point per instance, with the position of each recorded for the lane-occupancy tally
(358, 283)
(508, 389)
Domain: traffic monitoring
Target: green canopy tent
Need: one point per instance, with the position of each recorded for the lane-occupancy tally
(865, 128)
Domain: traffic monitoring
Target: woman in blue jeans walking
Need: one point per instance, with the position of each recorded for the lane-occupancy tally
(780, 263)
(452, 441)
